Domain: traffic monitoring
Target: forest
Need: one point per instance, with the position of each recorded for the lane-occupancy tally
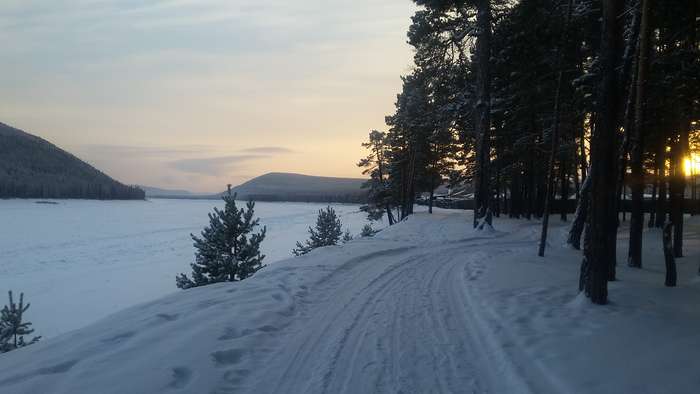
(31, 167)
(538, 102)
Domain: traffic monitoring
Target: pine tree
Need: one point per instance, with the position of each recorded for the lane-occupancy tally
(347, 236)
(375, 165)
(482, 105)
(12, 328)
(549, 195)
(515, 100)
(367, 231)
(328, 232)
(634, 258)
(601, 224)
(227, 250)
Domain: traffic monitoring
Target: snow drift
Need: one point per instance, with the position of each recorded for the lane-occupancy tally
(428, 305)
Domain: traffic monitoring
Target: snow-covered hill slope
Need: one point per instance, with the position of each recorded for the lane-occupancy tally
(428, 305)
(281, 186)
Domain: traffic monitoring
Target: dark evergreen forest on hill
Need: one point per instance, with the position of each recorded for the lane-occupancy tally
(31, 167)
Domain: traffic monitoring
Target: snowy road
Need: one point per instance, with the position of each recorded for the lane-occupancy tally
(427, 306)
(382, 320)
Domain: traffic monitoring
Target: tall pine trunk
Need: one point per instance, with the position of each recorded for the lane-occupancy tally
(627, 79)
(581, 215)
(482, 192)
(530, 187)
(390, 215)
(654, 189)
(634, 258)
(660, 206)
(677, 185)
(549, 190)
(564, 189)
(669, 257)
(430, 201)
(582, 147)
(602, 218)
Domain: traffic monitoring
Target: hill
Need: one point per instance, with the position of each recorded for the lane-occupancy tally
(31, 167)
(166, 193)
(277, 186)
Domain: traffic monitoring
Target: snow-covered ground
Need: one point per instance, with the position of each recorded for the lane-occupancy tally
(428, 305)
(79, 261)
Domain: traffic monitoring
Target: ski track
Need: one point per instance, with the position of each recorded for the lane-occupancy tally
(377, 328)
(427, 306)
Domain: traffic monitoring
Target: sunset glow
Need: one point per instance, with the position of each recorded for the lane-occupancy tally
(691, 164)
(198, 94)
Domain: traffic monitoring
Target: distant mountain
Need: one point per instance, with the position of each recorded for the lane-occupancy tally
(166, 193)
(31, 167)
(277, 186)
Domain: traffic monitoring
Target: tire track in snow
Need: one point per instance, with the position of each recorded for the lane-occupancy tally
(337, 329)
(513, 366)
(300, 349)
(378, 322)
(366, 309)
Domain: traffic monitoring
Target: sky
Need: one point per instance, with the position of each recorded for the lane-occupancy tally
(196, 94)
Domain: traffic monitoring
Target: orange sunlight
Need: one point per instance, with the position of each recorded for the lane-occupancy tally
(691, 164)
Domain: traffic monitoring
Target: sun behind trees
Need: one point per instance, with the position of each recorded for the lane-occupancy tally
(228, 250)
(528, 106)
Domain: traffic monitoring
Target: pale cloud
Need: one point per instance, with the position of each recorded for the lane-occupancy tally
(212, 166)
(269, 150)
(170, 166)
(143, 151)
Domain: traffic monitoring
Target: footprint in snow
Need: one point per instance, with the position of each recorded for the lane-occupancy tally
(58, 368)
(233, 333)
(167, 317)
(236, 376)
(180, 378)
(227, 357)
(119, 337)
(268, 328)
(50, 370)
(208, 303)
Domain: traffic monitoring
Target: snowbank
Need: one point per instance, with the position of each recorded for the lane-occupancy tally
(428, 305)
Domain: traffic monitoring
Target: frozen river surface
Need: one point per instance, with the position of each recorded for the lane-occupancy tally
(78, 260)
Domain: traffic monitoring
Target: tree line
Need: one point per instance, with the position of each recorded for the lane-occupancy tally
(344, 198)
(54, 188)
(537, 102)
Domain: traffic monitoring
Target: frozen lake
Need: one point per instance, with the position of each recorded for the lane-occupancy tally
(81, 260)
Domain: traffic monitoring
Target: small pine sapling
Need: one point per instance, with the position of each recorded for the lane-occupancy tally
(327, 232)
(347, 236)
(228, 250)
(12, 328)
(367, 231)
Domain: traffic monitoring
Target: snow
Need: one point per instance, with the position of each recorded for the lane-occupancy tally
(428, 305)
(80, 260)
